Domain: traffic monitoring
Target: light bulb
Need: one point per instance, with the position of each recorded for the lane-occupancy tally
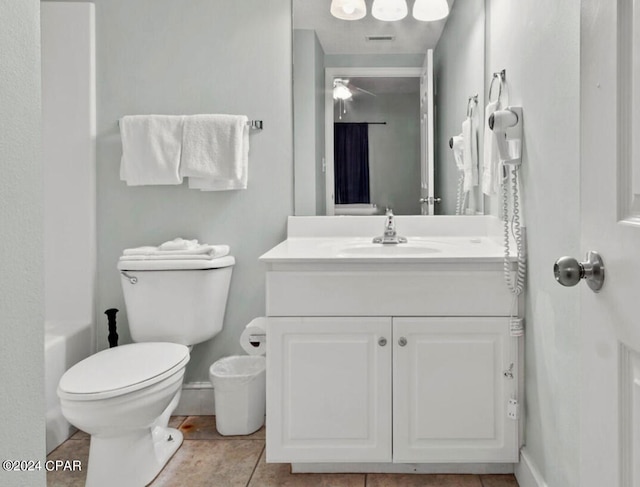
(389, 10)
(348, 9)
(430, 10)
(341, 92)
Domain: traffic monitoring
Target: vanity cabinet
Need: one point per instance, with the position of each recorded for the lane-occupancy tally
(383, 389)
(329, 390)
(392, 358)
(450, 392)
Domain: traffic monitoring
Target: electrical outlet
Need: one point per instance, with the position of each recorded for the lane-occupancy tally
(513, 409)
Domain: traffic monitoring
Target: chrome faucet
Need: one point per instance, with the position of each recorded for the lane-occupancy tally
(390, 236)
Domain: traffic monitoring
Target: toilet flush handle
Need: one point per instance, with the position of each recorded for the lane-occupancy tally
(132, 279)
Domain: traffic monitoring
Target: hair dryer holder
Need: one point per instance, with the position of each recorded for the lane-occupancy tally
(507, 127)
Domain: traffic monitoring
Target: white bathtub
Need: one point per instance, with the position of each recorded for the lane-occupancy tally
(65, 344)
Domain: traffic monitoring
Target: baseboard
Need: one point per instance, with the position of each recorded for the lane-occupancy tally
(196, 400)
(527, 472)
(404, 468)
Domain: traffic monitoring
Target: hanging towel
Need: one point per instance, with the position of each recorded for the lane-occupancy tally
(470, 154)
(491, 157)
(151, 146)
(215, 152)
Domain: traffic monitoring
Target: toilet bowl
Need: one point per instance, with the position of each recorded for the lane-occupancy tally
(117, 396)
(123, 397)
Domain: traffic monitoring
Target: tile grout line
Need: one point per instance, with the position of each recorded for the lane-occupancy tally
(255, 467)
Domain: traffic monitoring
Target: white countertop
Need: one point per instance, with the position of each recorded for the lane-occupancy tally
(431, 240)
(362, 250)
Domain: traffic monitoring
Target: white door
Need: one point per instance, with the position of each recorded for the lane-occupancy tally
(329, 390)
(610, 209)
(450, 392)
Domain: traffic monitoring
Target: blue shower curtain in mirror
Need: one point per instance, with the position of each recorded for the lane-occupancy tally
(351, 162)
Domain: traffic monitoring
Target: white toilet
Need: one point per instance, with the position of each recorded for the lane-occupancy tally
(123, 397)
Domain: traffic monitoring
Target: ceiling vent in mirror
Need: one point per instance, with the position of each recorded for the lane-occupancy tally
(380, 38)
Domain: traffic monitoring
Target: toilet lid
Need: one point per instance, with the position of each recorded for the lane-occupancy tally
(121, 370)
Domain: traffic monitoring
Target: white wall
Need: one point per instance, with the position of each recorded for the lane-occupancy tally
(22, 435)
(68, 146)
(308, 105)
(374, 60)
(538, 43)
(201, 56)
(458, 74)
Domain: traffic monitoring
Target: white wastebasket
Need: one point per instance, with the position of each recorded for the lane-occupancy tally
(239, 392)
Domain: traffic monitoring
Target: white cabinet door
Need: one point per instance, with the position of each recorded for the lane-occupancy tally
(329, 390)
(450, 393)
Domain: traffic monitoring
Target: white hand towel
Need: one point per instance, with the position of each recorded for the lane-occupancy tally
(470, 154)
(151, 146)
(215, 150)
(491, 158)
(149, 252)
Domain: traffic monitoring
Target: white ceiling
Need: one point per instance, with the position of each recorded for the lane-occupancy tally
(348, 36)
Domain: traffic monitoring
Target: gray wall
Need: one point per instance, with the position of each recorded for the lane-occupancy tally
(321, 193)
(308, 104)
(458, 74)
(530, 41)
(22, 436)
(374, 60)
(394, 148)
(196, 56)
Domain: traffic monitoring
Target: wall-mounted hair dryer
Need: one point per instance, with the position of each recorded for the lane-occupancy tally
(507, 126)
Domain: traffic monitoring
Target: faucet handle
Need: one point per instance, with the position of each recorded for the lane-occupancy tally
(388, 211)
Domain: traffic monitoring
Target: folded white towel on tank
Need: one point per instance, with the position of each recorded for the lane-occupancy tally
(202, 250)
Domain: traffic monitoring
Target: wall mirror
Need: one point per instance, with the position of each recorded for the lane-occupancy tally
(376, 104)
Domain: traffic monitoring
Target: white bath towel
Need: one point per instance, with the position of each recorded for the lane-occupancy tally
(470, 153)
(215, 150)
(151, 148)
(149, 252)
(491, 157)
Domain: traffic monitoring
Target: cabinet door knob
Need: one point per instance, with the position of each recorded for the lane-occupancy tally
(382, 341)
(402, 341)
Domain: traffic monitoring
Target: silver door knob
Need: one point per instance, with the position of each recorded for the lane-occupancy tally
(569, 272)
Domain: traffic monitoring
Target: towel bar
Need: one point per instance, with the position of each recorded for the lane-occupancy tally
(253, 124)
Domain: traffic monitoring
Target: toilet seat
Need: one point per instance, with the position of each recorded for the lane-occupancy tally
(121, 370)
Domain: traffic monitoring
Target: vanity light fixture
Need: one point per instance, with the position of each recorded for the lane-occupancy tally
(430, 10)
(389, 10)
(348, 9)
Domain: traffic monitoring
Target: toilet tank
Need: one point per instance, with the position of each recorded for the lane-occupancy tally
(175, 301)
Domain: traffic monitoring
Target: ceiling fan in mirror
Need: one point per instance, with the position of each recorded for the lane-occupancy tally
(343, 91)
(390, 10)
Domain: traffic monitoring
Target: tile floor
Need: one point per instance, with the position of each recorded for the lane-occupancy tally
(207, 459)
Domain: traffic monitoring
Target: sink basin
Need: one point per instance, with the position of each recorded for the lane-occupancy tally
(386, 250)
